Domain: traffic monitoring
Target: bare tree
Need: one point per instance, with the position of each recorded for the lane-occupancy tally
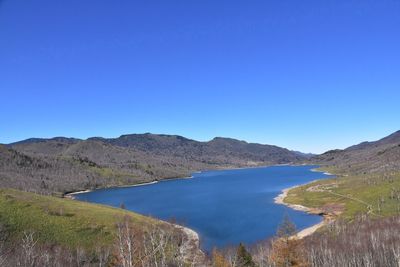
(28, 254)
(103, 255)
(231, 256)
(158, 247)
(126, 243)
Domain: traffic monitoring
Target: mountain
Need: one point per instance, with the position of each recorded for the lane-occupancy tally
(67, 164)
(215, 152)
(306, 155)
(367, 157)
(48, 174)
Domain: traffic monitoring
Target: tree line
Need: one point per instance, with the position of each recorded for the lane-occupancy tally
(365, 242)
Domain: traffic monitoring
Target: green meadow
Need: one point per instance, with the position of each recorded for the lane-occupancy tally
(62, 221)
(376, 194)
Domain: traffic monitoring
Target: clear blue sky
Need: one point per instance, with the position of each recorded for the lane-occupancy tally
(306, 75)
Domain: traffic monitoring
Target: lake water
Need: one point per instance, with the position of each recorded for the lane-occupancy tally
(224, 207)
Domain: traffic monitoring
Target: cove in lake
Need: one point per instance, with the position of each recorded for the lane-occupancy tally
(225, 207)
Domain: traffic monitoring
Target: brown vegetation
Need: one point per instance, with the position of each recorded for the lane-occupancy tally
(364, 242)
(65, 164)
(381, 156)
(133, 247)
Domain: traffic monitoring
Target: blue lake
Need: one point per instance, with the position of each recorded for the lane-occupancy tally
(224, 207)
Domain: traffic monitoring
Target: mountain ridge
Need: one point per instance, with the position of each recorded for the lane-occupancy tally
(76, 164)
(382, 155)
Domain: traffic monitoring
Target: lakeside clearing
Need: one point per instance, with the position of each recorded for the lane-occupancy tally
(280, 199)
(350, 194)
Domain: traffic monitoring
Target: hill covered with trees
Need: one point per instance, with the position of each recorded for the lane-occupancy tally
(68, 164)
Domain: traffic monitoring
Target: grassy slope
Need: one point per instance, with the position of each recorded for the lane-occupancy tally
(60, 221)
(367, 193)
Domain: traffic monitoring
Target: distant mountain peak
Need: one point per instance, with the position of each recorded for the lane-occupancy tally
(39, 140)
(227, 139)
(393, 138)
(307, 155)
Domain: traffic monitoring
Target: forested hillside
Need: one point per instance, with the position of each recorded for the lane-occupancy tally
(368, 157)
(67, 164)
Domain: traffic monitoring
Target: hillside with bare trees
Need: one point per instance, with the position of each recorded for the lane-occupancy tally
(367, 157)
(60, 165)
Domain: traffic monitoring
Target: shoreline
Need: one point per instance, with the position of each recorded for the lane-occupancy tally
(326, 173)
(326, 218)
(193, 238)
(191, 246)
(71, 195)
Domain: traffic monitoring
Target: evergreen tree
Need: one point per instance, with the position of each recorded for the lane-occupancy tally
(244, 258)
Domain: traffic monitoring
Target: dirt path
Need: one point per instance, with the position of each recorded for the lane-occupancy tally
(369, 206)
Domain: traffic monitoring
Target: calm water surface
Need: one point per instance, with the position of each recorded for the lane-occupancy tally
(224, 207)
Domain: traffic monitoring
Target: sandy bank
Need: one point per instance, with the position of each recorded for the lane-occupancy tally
(71, 195)
(327, 218)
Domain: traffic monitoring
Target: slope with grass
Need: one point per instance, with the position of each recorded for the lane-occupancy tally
(374, 194)
(54, 231)
(367, 181)
(380, 156)
(61, 221)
